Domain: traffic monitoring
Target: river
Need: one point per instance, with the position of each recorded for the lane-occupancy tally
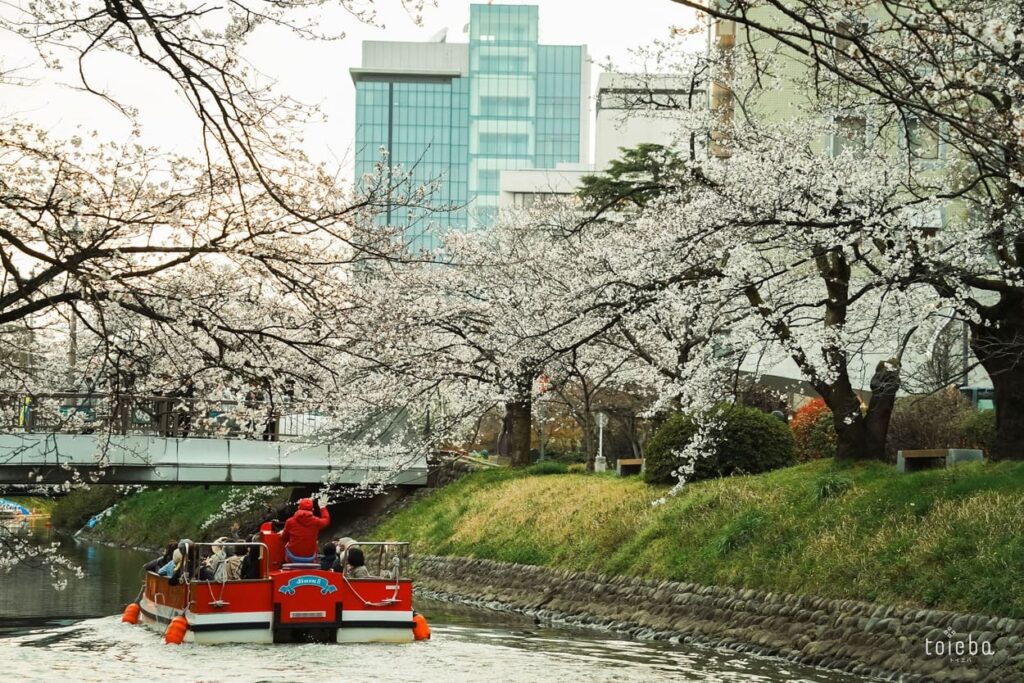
(76, 635)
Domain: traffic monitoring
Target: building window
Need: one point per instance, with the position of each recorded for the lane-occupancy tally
(504, 106)
(929, 222)
(504, 64)
(846, 32)
(487, 181)
(504, 144)
(922, 138)
(850, 134)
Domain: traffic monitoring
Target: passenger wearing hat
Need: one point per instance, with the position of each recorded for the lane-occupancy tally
(181, 558)
(343, 547)
(301, 531)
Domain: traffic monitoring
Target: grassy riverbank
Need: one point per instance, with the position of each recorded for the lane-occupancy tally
(951, 539)
(151, 517)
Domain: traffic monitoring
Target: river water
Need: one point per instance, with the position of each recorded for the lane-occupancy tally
(76, 635)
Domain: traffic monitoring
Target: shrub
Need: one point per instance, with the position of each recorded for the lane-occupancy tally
(578, 468)
(548, 467)
(979, 430)
(831, 485)
(931, 421)
(814, 435)
(749, 442)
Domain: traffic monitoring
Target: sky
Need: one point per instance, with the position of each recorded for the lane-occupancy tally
(315, 73)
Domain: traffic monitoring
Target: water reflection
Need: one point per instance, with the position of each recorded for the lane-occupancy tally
(112, 578)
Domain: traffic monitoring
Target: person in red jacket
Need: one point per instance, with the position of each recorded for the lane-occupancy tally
(301, 530)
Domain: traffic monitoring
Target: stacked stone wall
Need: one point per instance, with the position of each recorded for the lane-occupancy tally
(886, 641)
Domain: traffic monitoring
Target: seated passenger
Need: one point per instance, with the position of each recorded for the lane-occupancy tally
(301, 530)
(182, 561)
(355, 564)
(342, 544)
(234, 563)
(214, 568)
(156, 564)
(250, 568)
(328, 556)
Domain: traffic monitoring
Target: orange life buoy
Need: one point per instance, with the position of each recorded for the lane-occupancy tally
(131, 614)
(175, 632)
(420, 629)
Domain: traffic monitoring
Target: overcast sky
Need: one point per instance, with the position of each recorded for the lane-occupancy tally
(317, 72)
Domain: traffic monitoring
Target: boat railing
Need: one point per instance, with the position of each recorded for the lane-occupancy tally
(384, 559)
(264, 554)
(389, 558)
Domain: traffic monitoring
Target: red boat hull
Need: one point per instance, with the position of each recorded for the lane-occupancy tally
(295, 605)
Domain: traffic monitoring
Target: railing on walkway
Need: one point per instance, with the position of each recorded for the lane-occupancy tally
(158, 415)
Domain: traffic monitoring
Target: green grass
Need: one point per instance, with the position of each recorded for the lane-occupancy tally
(548, 467)
(153, 517)
(72, 511)
(952, 539)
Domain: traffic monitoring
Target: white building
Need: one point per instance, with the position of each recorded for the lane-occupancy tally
(631, 110)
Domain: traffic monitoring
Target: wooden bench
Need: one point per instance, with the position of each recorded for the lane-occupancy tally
(626, 466)
(914, 460)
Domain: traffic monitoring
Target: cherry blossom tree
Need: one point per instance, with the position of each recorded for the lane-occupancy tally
(948, 77)
(776, 244)
(468, 324)
(128, 268)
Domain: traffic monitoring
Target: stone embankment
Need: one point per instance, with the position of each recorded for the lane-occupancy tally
(862, 638)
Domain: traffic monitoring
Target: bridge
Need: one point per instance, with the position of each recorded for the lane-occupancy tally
(167, 440)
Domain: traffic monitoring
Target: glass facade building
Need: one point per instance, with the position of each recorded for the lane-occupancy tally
(460, 114)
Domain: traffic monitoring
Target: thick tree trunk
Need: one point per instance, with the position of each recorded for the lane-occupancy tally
(849, 423)
(884, 385)
(514, 441)
(851, 436)
(1000, 350)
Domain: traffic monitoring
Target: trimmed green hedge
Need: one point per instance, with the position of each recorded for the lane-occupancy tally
(750, 442)
(979, 430)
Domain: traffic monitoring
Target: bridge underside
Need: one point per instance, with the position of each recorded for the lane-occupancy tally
(55, 458)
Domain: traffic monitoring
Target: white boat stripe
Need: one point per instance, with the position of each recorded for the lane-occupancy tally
(374, 615)
(162, 611)
(228, 617)
(232, 617)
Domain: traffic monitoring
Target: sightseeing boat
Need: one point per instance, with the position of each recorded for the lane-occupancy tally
(289, 603)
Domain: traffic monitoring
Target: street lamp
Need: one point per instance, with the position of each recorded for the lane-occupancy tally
(600, 464)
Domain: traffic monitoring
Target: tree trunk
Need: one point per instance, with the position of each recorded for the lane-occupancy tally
(884, 385)
(588, 441)
(513, 442)
(851, 438)
(1000, 350)
(634, 437)
(849, 423)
